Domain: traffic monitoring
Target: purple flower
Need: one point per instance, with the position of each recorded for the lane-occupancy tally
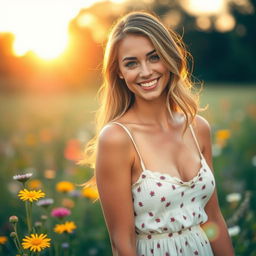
(65, 245)
(75, 193)
(60, 212)
(45, 202)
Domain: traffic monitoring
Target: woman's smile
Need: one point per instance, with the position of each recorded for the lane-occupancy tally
(150, 84)
(143, 71)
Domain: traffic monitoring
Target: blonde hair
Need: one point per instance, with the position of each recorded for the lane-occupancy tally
(115, 98)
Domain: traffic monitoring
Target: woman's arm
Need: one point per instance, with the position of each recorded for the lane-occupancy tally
(114, 162)
(222, 245)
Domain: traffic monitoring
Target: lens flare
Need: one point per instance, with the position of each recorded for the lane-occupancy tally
(211, 230)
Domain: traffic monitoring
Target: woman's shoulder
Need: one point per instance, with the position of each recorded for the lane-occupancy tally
(201, 124)
(203, 130)
(113, 134)
(114, 144)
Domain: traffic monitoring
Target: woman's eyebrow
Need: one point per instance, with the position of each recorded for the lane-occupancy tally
(149, 53)
(134, 58)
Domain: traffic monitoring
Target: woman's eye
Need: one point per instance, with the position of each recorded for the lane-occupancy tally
(154, 58)
(131, 64)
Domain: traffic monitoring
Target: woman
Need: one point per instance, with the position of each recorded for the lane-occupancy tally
(152, 152)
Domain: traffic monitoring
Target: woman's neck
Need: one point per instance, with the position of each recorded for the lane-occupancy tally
(154, 113)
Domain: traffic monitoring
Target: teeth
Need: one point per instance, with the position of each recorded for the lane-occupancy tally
(148, 84)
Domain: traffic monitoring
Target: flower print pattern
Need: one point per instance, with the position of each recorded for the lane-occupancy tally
(166, 206)
(152, 193)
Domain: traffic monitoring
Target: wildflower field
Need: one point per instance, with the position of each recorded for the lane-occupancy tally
(44, 211)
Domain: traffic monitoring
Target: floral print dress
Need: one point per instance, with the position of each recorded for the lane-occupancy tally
(169, 211)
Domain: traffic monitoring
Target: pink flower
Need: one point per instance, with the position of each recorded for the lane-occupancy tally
(60, 212)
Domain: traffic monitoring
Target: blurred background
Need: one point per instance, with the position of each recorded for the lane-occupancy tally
(50, 70)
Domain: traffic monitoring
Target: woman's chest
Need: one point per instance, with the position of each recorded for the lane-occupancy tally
(156, 190)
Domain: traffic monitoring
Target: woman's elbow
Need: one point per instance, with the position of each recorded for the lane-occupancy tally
(123, 245)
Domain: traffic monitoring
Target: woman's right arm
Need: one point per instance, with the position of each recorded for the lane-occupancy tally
(114, 160)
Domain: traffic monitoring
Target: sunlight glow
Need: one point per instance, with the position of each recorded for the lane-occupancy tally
(203, 22)
(204, 7)
(91, 21)
(40, 26)
(225, 23)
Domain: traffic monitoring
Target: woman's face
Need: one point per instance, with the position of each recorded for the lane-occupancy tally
(142, 69)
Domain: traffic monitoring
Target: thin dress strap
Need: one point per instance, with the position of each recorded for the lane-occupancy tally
(136, 148)
(197, 144)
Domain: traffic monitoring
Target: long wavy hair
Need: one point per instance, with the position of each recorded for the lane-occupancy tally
(115, 98)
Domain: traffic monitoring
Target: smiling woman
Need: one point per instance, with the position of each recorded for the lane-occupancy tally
(152, 152)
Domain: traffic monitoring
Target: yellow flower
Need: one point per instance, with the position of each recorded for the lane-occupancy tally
(59, 228)
(90, 192)
(36, 242)
(222, 136)
(3, 239)
(68, 227)
(64, 186)
(34, 184)
(30, 195)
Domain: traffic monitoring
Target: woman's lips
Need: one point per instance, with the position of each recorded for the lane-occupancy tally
(149, 84)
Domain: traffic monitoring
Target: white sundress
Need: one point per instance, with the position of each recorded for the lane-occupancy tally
(168, 212)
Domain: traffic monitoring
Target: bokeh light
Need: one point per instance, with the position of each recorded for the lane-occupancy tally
(49, 174)
(73, 150)
(205, 7)
(173, 18)
(212, 230)
(203, 22)
(225, 22)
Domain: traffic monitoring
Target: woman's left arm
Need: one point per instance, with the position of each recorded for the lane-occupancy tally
(222, 245)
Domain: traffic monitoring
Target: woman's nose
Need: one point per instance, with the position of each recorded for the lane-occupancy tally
(145, 70)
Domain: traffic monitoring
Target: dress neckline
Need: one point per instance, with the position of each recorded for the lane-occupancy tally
(169, 177)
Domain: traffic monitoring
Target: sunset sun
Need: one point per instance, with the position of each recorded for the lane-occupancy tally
(39, 26)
